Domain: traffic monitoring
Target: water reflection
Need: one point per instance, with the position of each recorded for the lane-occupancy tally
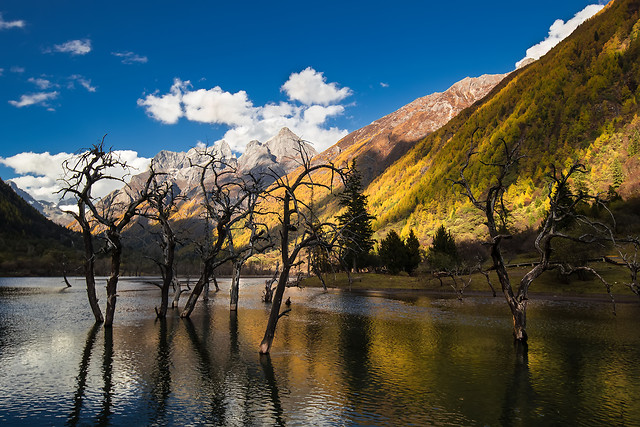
(519, 394)
(338, 359)
(272, 385)
(161, 374)
(107, 378)
(81, 379)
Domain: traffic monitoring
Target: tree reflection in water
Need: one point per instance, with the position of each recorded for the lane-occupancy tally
(81, 379)
(161, 376)
(208, 377)
(519, 393)
(107, 378)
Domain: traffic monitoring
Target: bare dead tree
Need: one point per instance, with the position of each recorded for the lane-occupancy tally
(82, 172)
(299, 227)
(259, 237)
(562, 205)
(224, 202)
(628, 256)
(267, 295)
(162, 201)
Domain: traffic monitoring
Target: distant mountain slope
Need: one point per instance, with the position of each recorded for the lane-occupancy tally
(30, 243)
(378, 145)
(580, 101)
(50, 210)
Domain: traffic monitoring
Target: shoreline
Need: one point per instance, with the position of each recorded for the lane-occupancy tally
(546, 296)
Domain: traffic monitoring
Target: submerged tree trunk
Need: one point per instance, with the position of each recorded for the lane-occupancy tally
(203, 281)
(177, 291)
(235, 287)
(112, 282)
(267, 341)
(205, 291)
(89, 274)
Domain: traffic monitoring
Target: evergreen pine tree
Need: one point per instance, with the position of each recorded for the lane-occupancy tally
(413, 252)
(393, 252)
(443, 254)
(357, 233)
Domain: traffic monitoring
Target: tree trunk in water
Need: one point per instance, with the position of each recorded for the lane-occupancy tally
(235, 287)
(205, 291)
(519, 311)
(265, 346)
(195, 293)
(164, 293)
(518, 305)
(112, 283)
(90, 277)
(177, 287)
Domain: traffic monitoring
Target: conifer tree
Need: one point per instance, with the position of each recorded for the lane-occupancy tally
(393, 252)
(355, 222)
(413, 252)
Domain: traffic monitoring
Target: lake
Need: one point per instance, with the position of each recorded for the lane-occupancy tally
(338, 358)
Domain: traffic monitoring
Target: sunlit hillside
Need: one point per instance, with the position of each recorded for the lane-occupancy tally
(579, 102)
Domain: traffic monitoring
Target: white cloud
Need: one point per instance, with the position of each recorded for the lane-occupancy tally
(130, 57)
(83, 81)
(40, 98)
(41, 83)
(17, 69)
(309, 87)
(383, 84)
(246, 121)
(74, 47)
(40, 173)
(166, 108)
(217, 106)
(558, 31)
(5, 25)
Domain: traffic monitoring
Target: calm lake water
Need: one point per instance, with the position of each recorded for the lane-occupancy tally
(338, 359)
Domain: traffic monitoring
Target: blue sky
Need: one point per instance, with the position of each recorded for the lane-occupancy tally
(161, 75)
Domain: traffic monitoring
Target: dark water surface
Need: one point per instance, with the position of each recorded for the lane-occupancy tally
(338, 359)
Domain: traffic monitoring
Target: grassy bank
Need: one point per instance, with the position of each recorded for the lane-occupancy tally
(549, 283)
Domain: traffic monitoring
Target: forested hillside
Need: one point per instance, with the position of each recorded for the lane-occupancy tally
(579, 102)
(30, 243)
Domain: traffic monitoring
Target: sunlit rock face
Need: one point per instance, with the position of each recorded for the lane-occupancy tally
(379, 144)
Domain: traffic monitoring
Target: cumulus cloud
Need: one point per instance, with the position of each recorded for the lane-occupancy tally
(74, 47)
(39, 98)
(130, 57)
(82, 81)
(383, 84)
(6, 25)
(558, 31)
(40, 173)
(217, 106)
(247, 121)
(310, 87)
(165, 108)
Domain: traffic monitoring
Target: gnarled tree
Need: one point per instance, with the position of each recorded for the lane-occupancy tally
(299, 227)
(562, 209)
(81, 174)
(161, 205)
(225, 196)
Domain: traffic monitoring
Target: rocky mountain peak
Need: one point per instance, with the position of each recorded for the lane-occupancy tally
(285, 146)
